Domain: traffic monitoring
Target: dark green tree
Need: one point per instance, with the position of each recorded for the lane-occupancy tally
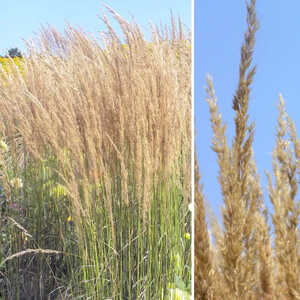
(13, 52)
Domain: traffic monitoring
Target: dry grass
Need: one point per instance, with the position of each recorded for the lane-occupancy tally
(203, 258)
(244, 263)
(104, 138)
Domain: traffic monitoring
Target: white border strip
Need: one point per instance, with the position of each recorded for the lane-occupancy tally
(193, 146)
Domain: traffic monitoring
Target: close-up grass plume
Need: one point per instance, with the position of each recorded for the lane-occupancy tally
(95, 163)
(243, 258)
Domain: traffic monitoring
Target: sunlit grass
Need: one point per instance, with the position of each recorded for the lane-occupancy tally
(95, 167)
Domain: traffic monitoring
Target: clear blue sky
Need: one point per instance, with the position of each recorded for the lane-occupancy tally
(219, 30)
(20, 19)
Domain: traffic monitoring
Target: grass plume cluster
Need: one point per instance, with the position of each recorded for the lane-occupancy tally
(246, 260)
(95, 165)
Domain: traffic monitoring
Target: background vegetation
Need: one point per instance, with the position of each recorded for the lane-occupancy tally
(95, 166)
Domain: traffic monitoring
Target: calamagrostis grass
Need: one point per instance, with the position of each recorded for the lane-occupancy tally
(203, 256)
(105, 133)
(247, 260)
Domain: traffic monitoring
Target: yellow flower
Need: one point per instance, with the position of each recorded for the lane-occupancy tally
(16, 183)
(69, 219)
(3, 145)
(177, 294)
(187, 236)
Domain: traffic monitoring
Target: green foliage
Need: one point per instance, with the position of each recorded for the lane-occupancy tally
(13, 52)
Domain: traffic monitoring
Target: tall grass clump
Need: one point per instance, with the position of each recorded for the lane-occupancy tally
(95, 166)
(245, 260)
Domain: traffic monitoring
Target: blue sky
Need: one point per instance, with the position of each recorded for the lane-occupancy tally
(24, 18)
(219, 30)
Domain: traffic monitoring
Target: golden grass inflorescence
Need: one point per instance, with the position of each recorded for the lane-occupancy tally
(245, 260)
(100, 137)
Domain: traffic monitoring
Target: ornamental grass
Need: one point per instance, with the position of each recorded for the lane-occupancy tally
(246, 259)
(95, 165)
